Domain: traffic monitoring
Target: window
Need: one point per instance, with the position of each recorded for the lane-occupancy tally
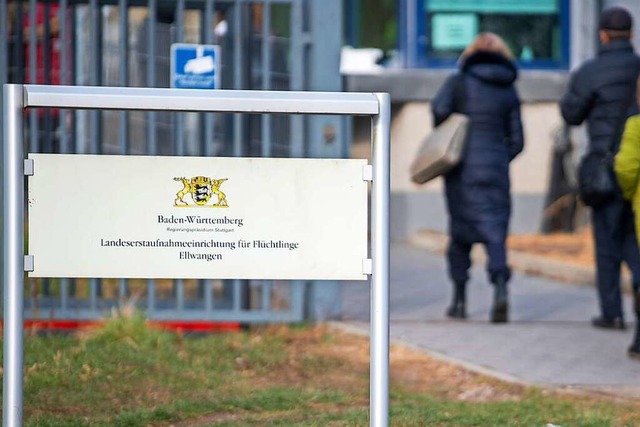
(371, 23)
(535, 30)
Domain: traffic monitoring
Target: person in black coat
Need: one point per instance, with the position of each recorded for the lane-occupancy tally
(602, 92)
(478, 188)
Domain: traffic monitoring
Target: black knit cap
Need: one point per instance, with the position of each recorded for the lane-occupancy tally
(616, 18)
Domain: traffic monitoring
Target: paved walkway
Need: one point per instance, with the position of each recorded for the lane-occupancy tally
(549, 341)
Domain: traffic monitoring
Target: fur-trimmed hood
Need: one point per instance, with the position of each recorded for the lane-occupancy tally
(490, 67)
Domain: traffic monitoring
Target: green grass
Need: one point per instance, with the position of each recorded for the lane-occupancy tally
(127, 374)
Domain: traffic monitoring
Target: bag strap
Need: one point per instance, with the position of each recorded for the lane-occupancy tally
(619, 129)
(459, 93)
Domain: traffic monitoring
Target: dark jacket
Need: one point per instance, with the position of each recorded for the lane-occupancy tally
(601, 91)
(478, 189)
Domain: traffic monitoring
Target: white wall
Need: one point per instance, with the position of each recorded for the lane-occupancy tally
(417, 207)
(634, 8)
(584, 27)
(529, 171)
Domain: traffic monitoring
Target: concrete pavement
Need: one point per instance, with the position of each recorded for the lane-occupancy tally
(549, 341)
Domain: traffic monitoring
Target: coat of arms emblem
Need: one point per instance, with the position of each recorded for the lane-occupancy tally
(201, 189)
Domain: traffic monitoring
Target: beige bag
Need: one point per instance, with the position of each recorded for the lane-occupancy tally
(441, 150)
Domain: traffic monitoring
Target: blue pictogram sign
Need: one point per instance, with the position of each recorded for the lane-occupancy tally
(195, 66)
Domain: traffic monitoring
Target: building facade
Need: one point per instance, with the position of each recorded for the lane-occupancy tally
(549, 39)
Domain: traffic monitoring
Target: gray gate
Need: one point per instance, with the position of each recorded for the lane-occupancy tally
(265, 45)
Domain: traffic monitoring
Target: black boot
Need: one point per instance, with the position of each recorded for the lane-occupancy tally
(457, 310)
(634, 349)
(500, 310)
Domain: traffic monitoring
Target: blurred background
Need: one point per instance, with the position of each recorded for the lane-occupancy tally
(415, 44)
(404, 47)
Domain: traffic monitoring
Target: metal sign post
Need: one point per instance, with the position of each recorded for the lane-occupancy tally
(13, 250)
(19, 97)
(379, 317)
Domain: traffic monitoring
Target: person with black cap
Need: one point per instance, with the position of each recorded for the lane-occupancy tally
(602, 92)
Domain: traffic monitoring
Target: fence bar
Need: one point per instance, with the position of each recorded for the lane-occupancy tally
(296, 132)
(95, 131)
(45, 121)
(237, 294)
(13, 250)
(46, 77)
(379, 381)
(123, 53)
(64, 294)
(219, 315)
(233, 286)
(178, 284)
(209, 119)
(80, 16)
(238, 72)
(207, 25)
(297, 299)
(65, 146)
(34, 130)
(179, 292)
(63, 35)
(151, 297)
(95, 72)
(267, 289)
(152, 140)
(208, 146)
(179, 131)
(208, 295)
(33, 73)
(179, 21)
(94, 292)
(266, 76)
(18, 54)
(123, 119)
(152, 137)
(46, 43)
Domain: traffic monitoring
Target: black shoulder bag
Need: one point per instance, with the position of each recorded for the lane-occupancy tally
(597, 182)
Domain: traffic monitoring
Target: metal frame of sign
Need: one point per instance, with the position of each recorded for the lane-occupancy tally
(18, 97)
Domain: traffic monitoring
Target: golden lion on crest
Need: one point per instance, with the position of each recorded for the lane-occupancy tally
(201, 189)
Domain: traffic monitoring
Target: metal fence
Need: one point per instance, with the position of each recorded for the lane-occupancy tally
(265, 45)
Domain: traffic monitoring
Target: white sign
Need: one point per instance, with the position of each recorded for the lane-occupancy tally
(195, 66)
(196, 217)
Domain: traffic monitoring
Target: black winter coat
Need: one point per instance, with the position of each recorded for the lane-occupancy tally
(478, 189)
(601, 92)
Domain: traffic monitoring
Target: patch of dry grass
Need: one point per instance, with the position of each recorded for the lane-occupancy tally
(128, 374)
